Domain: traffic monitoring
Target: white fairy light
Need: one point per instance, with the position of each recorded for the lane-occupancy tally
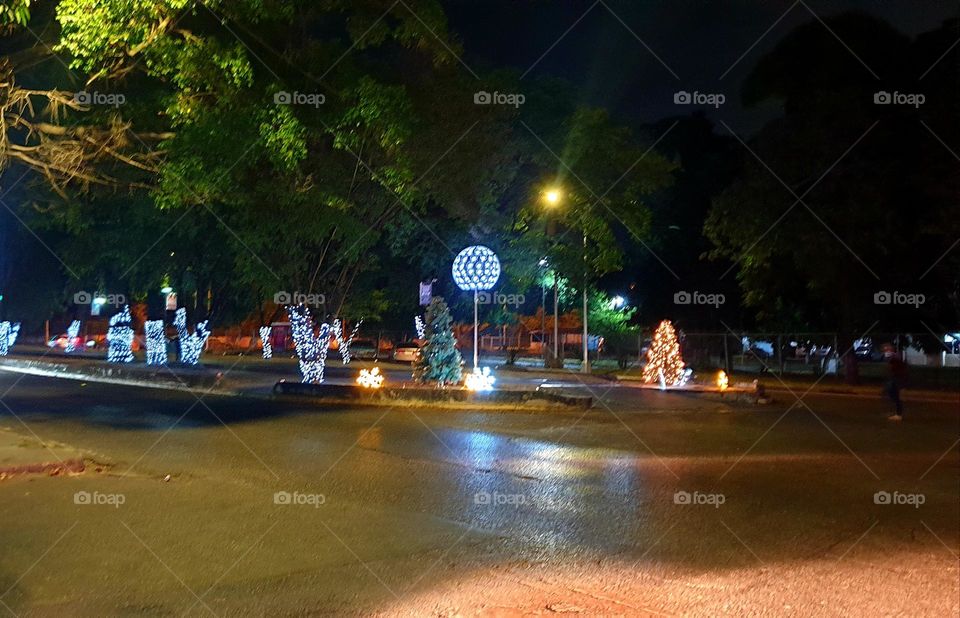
(156, 335)
(343, 345)
(120, 337)
(311, 346)
(8, 335)
(73, 331)
(420, 326)
(191, 344)
(480, 380)
(476, 268)
(265, 339)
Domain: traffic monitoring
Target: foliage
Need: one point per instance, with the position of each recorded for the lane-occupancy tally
(439, 360)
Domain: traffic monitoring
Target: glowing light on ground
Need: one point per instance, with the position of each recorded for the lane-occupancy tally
(480, 380)
(120, 337)
(156, 336)
(723, 381)
(370, 378)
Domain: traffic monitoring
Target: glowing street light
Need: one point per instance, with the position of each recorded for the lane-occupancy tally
(552, 197)
(617, 301)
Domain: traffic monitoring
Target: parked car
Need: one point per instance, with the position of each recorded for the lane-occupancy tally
(364, 349)
(407, 352)
(61, 341)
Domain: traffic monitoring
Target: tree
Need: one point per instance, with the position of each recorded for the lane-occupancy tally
(664, 363)
(875, 183)
(439, 360)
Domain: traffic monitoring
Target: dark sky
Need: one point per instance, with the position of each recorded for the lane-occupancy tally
(697, 40)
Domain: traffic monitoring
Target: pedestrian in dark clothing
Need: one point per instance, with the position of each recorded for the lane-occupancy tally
(898, 380)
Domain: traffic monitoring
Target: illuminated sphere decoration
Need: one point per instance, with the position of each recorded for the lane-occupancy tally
(476, 268)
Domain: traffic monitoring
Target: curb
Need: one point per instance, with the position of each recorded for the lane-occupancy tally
(75, 466)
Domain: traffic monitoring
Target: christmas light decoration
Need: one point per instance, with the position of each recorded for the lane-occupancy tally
(480, 380)
(265, 340)
(156, 336)
(420, 326)
(476, 268)
(723, 382)
(73, 331)
(191, 344)
(311, 346)
(120, 337)
(343, 345)
(664, 363)
(370, 378)
(8, 335)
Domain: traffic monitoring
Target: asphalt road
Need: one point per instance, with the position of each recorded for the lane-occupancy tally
(649, 504)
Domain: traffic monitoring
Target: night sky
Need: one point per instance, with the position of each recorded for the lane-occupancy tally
(698, 41)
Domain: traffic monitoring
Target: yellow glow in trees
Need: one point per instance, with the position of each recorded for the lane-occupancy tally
(664, 363)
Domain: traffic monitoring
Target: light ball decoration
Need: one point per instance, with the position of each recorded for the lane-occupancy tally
(8, 335)
(265, 340)
(120, 337)
(476, 268)
(155, 332)
(480, 380)
(370, 378)
(191, 344)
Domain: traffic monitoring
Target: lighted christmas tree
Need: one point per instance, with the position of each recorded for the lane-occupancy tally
(439, 360)
(664, 363)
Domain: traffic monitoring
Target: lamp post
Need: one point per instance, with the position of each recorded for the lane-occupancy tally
(552, 199)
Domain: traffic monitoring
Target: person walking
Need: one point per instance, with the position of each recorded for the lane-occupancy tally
(896, 382)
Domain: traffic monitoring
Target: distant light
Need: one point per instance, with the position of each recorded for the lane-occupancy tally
(543, 262)
(617, 301)
(166, 289)
(100, 300)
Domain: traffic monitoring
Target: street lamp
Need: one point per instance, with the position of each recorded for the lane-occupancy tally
(552, 198)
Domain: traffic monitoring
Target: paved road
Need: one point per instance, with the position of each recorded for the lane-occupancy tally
(417, 512)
